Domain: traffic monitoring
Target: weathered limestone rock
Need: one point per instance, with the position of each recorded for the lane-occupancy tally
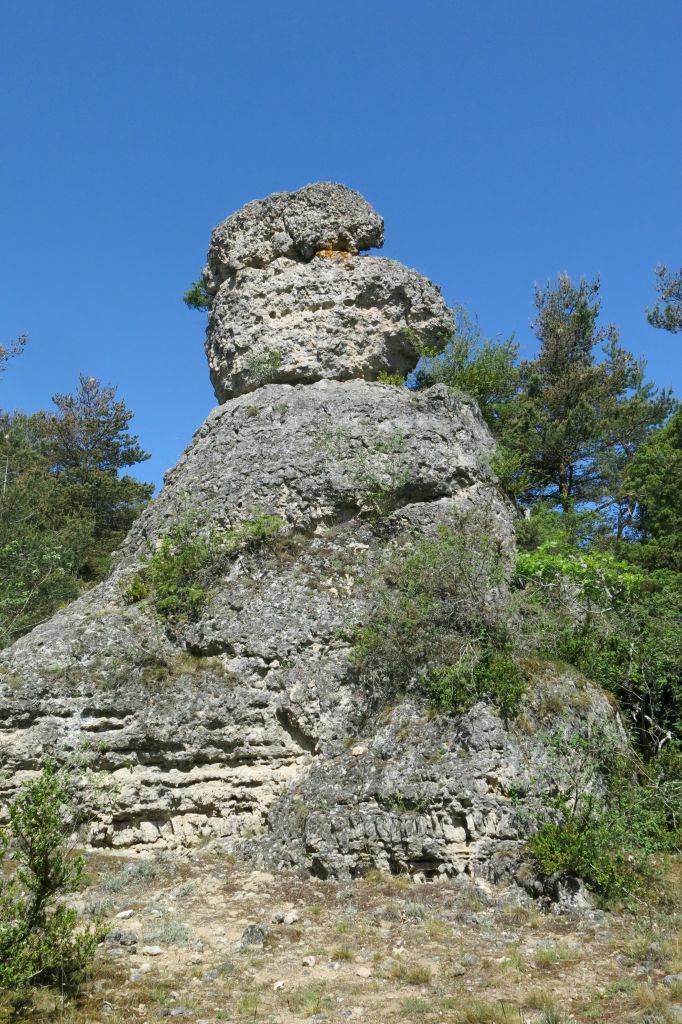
(250, 726)
(313, 454)
(334, 318)
(297, 225)
(299, 305)
(429, 797)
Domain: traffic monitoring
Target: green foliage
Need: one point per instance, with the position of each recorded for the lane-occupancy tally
(41, 939)
(491, 676)
(581, 432)
(667, 310)
(63, 505)
(196, 296)
(89, 433)
(172, 577)
(382, 478)
(178, 575)
(582, 846)
(264, 368)
(484, 369)
(500, 680)
(654, 479)
(397, 379)
(607, 823)
(616, 621)
(570, 421)
(428, 348)
(604, 606)
(579, 419)
(44, 540)
(439, 626)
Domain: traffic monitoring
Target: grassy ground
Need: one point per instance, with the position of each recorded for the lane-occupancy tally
(375, 950)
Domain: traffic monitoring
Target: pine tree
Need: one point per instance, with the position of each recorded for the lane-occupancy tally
(88, 442)
(64, 506)
(584, 408)
(667, 310)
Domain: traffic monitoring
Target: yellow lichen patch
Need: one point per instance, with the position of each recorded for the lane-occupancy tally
(333, 254)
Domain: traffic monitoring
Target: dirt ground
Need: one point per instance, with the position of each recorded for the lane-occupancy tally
(203, 938)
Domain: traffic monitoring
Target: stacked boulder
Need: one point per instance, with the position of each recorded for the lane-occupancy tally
(295, 302)
(248, 724)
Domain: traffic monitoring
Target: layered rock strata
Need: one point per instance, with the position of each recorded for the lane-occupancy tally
(250, 725)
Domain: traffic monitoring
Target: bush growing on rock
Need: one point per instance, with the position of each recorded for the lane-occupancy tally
(196, 296)
(496, 677)
(440, 624)
(616, 621)
(177, 577)
(611, 818)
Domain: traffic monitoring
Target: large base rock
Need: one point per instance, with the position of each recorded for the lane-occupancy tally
(250, 726)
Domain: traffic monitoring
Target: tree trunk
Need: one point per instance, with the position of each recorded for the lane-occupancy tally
(564, 487)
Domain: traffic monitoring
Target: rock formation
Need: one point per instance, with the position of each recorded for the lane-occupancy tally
(249, 725)
(295, 303)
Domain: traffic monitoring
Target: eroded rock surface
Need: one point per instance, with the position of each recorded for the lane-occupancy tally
(334, 318)
(250, 725)
(296, 225)
(295, 303)
(315, 454)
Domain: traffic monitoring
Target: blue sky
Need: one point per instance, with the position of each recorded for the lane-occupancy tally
(502, 141)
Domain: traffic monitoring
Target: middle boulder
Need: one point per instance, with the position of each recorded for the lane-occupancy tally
(336, 315)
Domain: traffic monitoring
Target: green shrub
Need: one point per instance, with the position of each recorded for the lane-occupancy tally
(172, 577)
(177, 576)
(196, 296)
(615, 621)
(439, 625)
(41, 940)
(474, 365)
(580, 846)
(382, 478)
(495, 678)
(611, 819)
(396, 379)
(264, 368)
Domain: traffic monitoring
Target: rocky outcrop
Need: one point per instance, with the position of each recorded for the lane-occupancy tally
(314, 454)
(294, 225)
(249, 724)
(202, 732)
(332, 319)
(430, 797)
(294, 302)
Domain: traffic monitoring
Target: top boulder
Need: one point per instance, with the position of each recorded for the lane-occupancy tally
(297, 225)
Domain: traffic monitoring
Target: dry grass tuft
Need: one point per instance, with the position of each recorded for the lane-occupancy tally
(412, 974)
